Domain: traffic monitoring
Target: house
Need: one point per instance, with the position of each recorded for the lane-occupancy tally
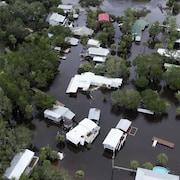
(85, 132)
(72, 41)
(103, 17)
(124, 125)
(93, 43)
(99, 59)
(82, 30)
(146, 174)
(66, 8)
(23, 162)
(114, 140)
(137, 29)
(94, 114)
(94, 51)
(58, 113)
(175, 54)
(56, 19)
(117, 136)
(87, 79)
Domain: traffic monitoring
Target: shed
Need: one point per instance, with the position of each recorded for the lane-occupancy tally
(112, 140)
(124, 125)
(103, 17)
(137, 29)
(146, 111)
(94, 114)
(19, 164)
(58, 113)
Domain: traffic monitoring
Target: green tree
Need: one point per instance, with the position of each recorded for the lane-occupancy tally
(129, 99)
(162, 159)
(60, 137)
(134, 164)
(44, 100)
(148, 165)
(171, 79)
(79, 174)
(154, 30)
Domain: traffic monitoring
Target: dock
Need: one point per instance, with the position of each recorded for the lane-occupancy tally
(162, 141)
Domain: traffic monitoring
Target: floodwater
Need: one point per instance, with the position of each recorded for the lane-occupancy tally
(97, 164)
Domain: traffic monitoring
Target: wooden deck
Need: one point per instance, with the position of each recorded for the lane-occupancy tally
(163, 142)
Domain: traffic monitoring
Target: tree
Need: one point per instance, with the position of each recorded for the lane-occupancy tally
(134, 164)
(162, 159)
(129, 99)
(13, 40)
(60, 137)
(44, 100)
(141, 81)
(79, 174)
(171, 79)
(148, 165)
(152, 102)
(155, 29)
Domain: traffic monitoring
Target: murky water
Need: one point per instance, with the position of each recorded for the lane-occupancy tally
(95, 163)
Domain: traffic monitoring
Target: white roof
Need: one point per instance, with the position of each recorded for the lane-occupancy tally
(99, 59)
(124, 124)
(73, 41)
(113, 138)
(82, 129)
(94, 114)
(19, 164)
(146, 111)
(93, 42)
(57, 112)
(145, 174)
(88, 78)
(65, 7)
(98, 51)
(169, 53)
(57, 17)
(82, 30)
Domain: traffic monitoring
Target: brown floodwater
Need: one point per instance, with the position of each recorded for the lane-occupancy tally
(96, 163)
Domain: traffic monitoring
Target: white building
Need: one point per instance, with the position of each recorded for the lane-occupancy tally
(169, 53)
(93, 43)
(66, 8)
(94, 51)
(58, 113)
(124, 125)
(20, 164)
(85, 80)
(114, 140)
(94, 114)
(72, 41)
(85, 132)
(146, 174)
(57, 19)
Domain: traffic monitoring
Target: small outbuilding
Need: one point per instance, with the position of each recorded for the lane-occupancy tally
(82, 30)
(124, 125)
(72, 41)
(93, 43)
(56, 19)
(94, 114)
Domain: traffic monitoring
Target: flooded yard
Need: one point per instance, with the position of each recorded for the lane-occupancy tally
(96, 163)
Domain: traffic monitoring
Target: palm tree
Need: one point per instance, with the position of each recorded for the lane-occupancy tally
(79, 174)
(148, 165)
(162, 158)
(134, 164)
